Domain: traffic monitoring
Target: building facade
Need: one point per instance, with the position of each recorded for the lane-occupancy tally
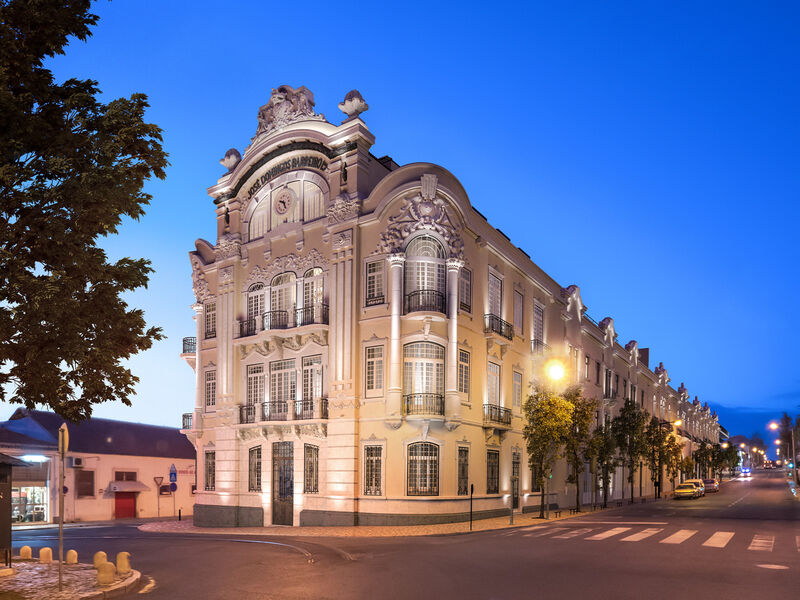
(112, 470)
(365, 340)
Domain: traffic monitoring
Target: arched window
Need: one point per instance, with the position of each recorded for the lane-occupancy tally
(282, 293)
(423, 378)
(425, 275)
(314, 309)
(255, 300)
(423, 469)
(313, 201)
(259, 220)
(290, 202)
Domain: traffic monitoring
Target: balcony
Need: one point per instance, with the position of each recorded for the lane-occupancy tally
(311, 409)
(312, 315)
(275, 319)
(425, 300)
(496, 415)
(539, 348)
(375, 300)
(494, 324)
(247, 327)
(187, 421)
(424, 404)
(189, 345)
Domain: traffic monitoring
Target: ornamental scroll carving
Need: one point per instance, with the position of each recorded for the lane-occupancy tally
(342, 210)
(230, 244)
(199, 283)
(420, 213)
(290, 262)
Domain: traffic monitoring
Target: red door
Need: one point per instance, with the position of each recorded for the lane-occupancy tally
(125, 505)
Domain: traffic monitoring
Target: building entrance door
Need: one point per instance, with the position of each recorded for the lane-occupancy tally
(124, 505)
(282, 483)
(515, 480)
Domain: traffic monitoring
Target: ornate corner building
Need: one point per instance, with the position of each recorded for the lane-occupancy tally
(365, 340)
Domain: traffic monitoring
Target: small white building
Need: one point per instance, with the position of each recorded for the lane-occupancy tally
(113, 469)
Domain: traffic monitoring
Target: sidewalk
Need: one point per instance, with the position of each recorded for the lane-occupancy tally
(71, 524)
(520, 520)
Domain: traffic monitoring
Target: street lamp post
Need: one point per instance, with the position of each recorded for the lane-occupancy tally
(793, 458)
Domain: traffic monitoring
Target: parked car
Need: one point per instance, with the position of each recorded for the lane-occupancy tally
(698, 483)
(685, 490)
(711, 485)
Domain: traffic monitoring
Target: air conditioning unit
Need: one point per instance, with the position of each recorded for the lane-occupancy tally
(75, 462)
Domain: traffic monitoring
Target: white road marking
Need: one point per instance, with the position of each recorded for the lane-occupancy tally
(548, 532)
(762, 543)
(640, 535)
(776, 567)
(582, 522)
(719, 540)
(607, 534)
(573, 533)
(735, 502)
(679, 536)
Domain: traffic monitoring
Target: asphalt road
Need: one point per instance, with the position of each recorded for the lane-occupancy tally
(741, 542)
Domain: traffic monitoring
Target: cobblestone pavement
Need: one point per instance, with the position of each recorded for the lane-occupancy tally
(520, 520)
(35, 581)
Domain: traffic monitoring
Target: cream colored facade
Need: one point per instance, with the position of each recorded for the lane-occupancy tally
(365, 340)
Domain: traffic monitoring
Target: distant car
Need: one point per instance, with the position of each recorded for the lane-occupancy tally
(746, 471)
(686, 490)
(698, 483)
(711, 485)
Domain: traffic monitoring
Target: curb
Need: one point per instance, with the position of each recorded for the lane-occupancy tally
(118, 589)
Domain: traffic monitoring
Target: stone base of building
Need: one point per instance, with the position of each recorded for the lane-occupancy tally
(330, 518)
(536, 507)
(209, 515)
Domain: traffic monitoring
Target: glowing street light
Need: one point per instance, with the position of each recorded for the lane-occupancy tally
(773, 426)
(725, 445)
(678, 423)
(555, 370)
(777, 442)
(742, 445)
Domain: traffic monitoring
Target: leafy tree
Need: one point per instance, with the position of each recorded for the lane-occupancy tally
(548, 419)
(687, 466)
(603, 449)
(674, 454)
(717, 460)
(731, 457)
(72, 167)
(578, 441)
(628, 428)
(656, 438)
(702, 457)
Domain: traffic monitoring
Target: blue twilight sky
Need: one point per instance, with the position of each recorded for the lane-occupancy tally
(644, 151)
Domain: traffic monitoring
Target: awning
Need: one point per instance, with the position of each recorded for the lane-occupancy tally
(127, 486)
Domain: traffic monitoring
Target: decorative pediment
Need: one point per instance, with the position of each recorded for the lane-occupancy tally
(290, 262)
(286, 106)
(342, 209)
(199, 283)
(572, 294)
(229, 245)
(633, 350)
(607, 326)
(422, 213)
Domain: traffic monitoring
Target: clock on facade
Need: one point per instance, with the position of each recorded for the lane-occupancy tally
(283, 201)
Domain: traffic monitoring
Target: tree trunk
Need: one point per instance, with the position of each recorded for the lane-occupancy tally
(541, 506)
(577, 491)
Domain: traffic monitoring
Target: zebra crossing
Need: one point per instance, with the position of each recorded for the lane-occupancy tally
(757, 542)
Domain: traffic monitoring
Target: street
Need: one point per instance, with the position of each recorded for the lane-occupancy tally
(740, 542)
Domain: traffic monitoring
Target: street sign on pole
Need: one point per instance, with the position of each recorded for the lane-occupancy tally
(173, 474)
(158, 481)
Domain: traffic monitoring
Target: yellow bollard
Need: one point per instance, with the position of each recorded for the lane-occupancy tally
(45, 555)
(105, 573)
(72, 557)
(25, 552)
(123, 563)
(99, 559)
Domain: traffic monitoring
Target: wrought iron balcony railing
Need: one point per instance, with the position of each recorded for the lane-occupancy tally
(539, 348)
(248, 413)
(248, 327)
(375, 300)
(424, 404)
(496, 414)
(311, 409)
(187, 420)
(189, 345)
(211, 333)
(310, 315)
(275, 319)
(275, 411)
(427, 300)
(494, 324)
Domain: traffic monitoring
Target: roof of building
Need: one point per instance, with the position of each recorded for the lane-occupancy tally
(97, 436)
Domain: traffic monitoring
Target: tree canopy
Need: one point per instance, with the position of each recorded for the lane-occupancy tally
(72, 168)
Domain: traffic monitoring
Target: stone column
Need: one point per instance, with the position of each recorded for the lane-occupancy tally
(452, 408)
(394, 396)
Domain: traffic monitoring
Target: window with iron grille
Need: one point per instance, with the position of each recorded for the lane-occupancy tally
(372, 470)
(311, 469)
(84, 483)
(124, 475)
(210, 471)
(463, 371)
(211, 388)
(465, 290)
(463, 471)
(255, 384)
(517, 389)
(210, 318)
(254, 470)
(375, 287)
(494, 384)
(492, 472)
(423, 469)
(519, 302)
(374, 368)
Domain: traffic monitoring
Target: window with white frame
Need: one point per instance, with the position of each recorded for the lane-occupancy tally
(423, 469)
(210, 319)
(423, 369)
(425, 265)
(495, 295)
(375, 293)
(255, 384)
(312, 386)
(254, 469)
(374, 375)
(210, 472)
(517, 389)
(372, 470)
(211, 388)
(463, 471)
(492, 472)
(463, 371)
(519, 302)
(282, 388)
(538, 323)
(310, 469)
(493, 379)
(255, 301)
(313, 297)
(282, 298)
(465, 290)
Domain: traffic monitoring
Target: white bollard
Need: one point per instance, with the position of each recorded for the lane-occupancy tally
(105, 573)
(99, 559)
(123, 563)
(45, 555)
(72, 557)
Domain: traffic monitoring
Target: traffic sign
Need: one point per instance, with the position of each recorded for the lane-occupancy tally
(173, 474)
(173, 487)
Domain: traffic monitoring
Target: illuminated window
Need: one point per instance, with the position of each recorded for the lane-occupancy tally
(463, 471)
(463, 371)
(254, 470)
(311, 469)
(492, 472)
(211, 388)
(374, 374)
(372, 470)
(375, 291)
(423, 469)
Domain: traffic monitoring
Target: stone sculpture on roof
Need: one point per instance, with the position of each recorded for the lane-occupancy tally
(286, 105)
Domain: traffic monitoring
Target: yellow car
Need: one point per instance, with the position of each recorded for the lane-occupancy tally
(685, 490)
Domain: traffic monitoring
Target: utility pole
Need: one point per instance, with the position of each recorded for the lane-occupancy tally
(63, 445)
